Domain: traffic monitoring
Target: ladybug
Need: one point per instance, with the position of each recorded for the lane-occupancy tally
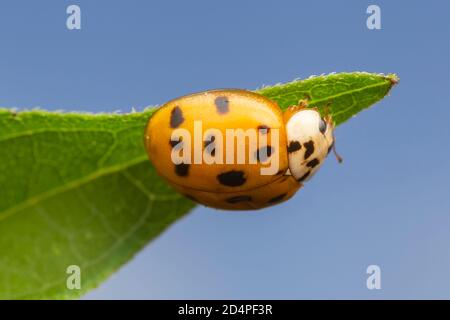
(190, 139)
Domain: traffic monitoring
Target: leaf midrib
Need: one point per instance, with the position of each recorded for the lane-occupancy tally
(74, 130)
(349, 92)
(71, 185)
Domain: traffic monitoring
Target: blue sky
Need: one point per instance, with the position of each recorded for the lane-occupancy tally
(388, 204)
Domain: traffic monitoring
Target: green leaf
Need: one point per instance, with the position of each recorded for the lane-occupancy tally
(342, 95)
(77, 189)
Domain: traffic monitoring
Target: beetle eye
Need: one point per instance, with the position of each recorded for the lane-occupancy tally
(322, 126)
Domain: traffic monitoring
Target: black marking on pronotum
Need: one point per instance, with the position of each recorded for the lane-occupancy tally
(221, 104)
(309, 148)
(264, 153)
(294, 146)
(263, 129)
(176, 117)
(238, 199)
(322, 126)
(232, 178)
(277, 198)
(182, 169)
(302, 178)
(208, 142)
(314, 162)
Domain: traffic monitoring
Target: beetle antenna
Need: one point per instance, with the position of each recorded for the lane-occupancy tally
(338, 157)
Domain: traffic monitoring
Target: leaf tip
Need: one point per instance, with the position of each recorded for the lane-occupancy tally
(393, 78)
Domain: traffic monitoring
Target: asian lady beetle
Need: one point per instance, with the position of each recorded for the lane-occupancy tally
(196, 143)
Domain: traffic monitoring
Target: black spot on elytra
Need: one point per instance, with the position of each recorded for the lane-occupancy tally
(221, 104)
(309, 148)
(277, 198)
(238, 199)
(176, 117)
(294, 146)
(302, 178)
(211, 139)
(174, 143)
(263, 153)
(182, 169)
(322, 126)
(263, 129)
(314, 162)
(232, 178)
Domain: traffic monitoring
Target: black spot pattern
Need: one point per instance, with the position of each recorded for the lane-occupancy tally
(263, 153)
(309, 148)
(314, 162)
(208, 142)
(302, 178)
(277, 198)
(232, 178)
(222, 104)
(174, 143)
(182, 169)
(294, 146)
(263, 129)
(238, 199)
(176, 117)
